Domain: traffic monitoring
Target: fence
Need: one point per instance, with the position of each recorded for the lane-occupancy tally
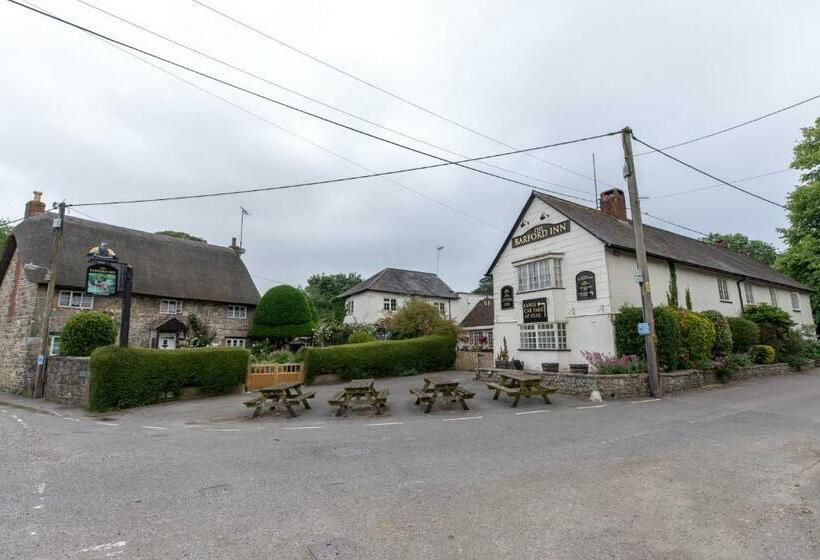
(474, 360)
(265, 375)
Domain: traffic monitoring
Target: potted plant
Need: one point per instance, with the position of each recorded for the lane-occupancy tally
(502, 361)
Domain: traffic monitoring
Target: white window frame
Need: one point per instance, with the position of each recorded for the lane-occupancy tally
(543, 336)
(53, 340)
(723, 290)
(237, 311)
(349, 307)
(795, 301)
(390, 304)
(749, 292)
(541, 274)
(442, 308)
(164, 306)
(234, 342)
(76, 300)
(773, 296)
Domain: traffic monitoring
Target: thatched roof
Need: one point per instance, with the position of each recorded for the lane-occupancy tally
(404, 282)
(163, 266)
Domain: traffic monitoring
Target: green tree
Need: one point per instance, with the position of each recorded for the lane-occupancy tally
(5, 231)
(760, 250)
(485, 286)
(807, 153)
(86, 331)
(419, 318)
(282, 313)
(323, 291)
(181, 235)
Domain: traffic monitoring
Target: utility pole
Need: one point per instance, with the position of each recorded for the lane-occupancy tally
(643, 270)
(125, 316)
(595, 182)
(40, 378)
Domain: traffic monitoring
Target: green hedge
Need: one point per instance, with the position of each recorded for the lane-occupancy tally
(86, 331)
(762, 354)
(745, 333)
(283, 312)
(697, 337)
(667, 328)
(127, 377)
(381, 358)
(723, 333)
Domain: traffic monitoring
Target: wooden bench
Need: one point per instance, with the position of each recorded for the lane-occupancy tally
(421, 395)
(337, 399)
(498, 388)
(464, 393)
(256, 403)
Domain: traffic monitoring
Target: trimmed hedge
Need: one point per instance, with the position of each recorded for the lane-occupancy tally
(283, 312)
(128, 377)
(698, 336)
(723, 333)
(381, 358)
(762, 354)
(86, 331)
(745, 333)
(667, 328)
(627, 340)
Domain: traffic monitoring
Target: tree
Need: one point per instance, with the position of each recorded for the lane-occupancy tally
(181, 235)
(282, 313)
(419, 318)
(323, 291)
(200, 334)
(86, 331)
(485, 286)
(5, 231)
(807, 154)
(760, 250)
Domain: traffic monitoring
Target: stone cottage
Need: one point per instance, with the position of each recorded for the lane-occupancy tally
(173, 279)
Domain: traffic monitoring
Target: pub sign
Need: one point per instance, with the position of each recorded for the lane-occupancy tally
(101, 280)
(539, 232)
(535, 310)
(507, 301)
(585, 286)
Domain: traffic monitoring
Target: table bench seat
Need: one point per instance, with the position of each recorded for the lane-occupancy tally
(337, 399)
(501, 388)
(421, 395)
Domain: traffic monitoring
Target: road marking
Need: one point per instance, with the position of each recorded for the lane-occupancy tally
(227, 430)
(106, 423)
(38, 507)
(71, 419)
(386, 424)
(531, 412)
(41, 487)
(645, 400)
(106, 546)
(463, 418)
(304, 428)
(154, 428)
(592, 406)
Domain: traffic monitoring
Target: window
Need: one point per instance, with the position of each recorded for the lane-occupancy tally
(54, 345)
(723, 290)
(75, 300)
(544, 336)
(749, 291)
(170, 307)
(481, 339)
(349, 307)
(795, 301)
(773, 296)
(237, 312)
(539, 275)
(441, 307)
(390, 304)
(235, 342)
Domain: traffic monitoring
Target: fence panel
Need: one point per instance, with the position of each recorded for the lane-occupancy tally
(265, 375)
(471, 361)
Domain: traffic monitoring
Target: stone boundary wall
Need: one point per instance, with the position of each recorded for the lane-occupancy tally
(626, 386)
(67, 380)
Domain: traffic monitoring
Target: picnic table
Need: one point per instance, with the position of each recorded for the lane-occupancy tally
(359, 392)
(518, 384)
(441, 386)
(287, 394)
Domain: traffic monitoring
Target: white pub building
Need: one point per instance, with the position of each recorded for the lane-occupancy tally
(565, 269)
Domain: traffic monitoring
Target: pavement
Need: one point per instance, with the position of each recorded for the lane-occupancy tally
(725, 473)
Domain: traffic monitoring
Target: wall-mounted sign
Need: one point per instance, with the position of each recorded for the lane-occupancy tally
(539, 232)
(535, 310)
(507, 301)
(101, 280)
(585, 285)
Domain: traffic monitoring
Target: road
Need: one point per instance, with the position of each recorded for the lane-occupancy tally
(728, 473)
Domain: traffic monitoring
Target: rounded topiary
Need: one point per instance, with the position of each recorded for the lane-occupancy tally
(86, 331)
(745, 333)
(283, 312)
(698, 336)
(762, 354)
(360, 335)
(723, 333)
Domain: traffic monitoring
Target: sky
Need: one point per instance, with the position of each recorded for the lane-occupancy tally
(85, 121)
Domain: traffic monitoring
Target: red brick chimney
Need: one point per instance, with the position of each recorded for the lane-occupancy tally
(35, 205)
(613, 203)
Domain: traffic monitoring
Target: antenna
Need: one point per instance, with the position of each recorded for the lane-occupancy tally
(242, 224)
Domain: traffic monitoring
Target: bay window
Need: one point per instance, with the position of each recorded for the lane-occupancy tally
(539, 275)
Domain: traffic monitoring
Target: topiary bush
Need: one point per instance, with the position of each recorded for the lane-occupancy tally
(697, 335)
(745, 333)
(359, 336)
(127, 377)
(381, 358)
(667, 329)
(723, 333)
(762, 354)
(627, 340)
(86, 331)
(283, 312)
(774, 323)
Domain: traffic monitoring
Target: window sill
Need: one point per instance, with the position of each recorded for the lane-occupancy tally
(544, 350)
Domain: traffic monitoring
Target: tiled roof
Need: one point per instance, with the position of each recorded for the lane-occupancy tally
(405, 282)
(481, 315)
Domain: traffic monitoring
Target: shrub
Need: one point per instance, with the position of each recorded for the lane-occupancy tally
(745, 333)
(360, 335)
(419, 318)
(627, 340)
(381, 358)
(726, 366)
(774, 323)
(697, 336)
(86, 331)
(283, 312)
(330, 333)
(200, 334)
(793, 350)
(762, 354)
(607, 364)
(126, 377)
(723, 333)
(667, 329)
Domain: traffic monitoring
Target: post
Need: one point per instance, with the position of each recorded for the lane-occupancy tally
(595, 182)
(125, 316)
(643, 269)
(40, 377)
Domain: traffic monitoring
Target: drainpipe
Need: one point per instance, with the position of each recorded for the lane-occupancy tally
(740, 294)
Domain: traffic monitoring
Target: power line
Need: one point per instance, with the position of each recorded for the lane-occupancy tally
(271, 280)
(733, 127)
(702, 172)
(288, 106)
(383, 90)
(715, 185)
(674, 224)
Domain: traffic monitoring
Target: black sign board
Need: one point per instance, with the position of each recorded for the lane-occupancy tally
(535, 310)
(507, 297)
(585, 285)
(101, 279)
(539, 232)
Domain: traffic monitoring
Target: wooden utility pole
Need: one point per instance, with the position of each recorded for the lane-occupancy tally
(40, 378)
(643, 269)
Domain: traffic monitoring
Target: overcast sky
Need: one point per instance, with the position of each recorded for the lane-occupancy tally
(84, 121)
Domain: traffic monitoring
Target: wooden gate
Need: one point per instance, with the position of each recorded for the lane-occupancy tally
(265, 375)
(471, 361)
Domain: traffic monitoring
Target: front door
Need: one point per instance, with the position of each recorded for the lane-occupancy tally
(167, 341)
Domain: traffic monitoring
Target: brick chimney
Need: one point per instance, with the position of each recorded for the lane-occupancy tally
(35, 205)
(613, 203)
(236, 248)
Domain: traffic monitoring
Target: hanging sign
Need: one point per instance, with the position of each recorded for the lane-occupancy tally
(101, 279)
(539, 232)
(585, 286)
(535, 310)
(507, 301)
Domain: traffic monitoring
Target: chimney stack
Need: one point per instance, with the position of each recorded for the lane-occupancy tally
(237, 249)
(35, 205)
(613, 203)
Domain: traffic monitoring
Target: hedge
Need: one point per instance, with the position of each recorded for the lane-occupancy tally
(86, 331)
(627, 340)
(745, 333)
(667, 328)
(723, 333)
(283, 312)
(762, 354)
(697, 336)
(127, 377)
(381, 358)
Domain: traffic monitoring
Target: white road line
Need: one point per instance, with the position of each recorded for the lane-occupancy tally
(227, 430)
(154, 428)
(304, 428)
(386, 424)
(38, 507)
(463, 418)
(592, 406)
(106, 423)
(71, 419)
(106, 546)
(645, 400)
(531, 412)
(41, 487)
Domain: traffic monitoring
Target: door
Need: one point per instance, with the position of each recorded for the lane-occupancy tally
(167, 341)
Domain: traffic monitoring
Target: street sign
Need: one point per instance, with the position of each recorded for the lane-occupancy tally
(643, 329)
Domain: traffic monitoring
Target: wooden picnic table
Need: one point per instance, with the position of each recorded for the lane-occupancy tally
(287, 394)
(440, 386)
(519, 384)
(358, 393)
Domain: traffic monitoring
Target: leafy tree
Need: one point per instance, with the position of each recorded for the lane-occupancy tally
(282, 313)
(485, 286)
(86, 331)
(672, 293)
(419, 318)
(200, 334)
(688, 296)
(760, 250)
(5, 231)
(323, 291)
(807, 153)
(181, 235)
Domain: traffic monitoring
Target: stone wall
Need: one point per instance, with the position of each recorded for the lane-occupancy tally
(19, 336)
(67, 380)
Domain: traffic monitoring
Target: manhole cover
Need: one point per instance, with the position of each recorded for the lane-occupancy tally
(350, 451)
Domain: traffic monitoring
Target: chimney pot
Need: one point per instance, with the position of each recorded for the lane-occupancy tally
(613, 203)
(35, 205)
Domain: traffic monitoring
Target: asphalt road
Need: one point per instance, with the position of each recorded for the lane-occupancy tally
(727, 473)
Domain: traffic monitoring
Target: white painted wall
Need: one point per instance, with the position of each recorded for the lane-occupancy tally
(459, 308)
(368, 306)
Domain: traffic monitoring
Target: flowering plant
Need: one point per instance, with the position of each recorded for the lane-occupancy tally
(609, 364)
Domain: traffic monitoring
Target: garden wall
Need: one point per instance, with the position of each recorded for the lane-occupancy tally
(67, 380)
